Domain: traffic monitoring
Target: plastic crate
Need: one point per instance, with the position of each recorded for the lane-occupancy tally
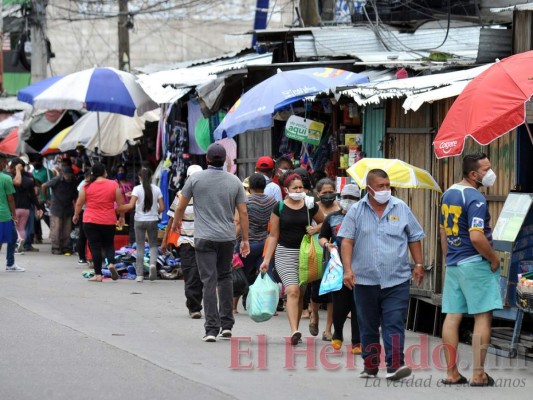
(524, 300)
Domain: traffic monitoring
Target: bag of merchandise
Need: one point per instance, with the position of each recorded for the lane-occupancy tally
(310, 265)
(333, 274)
(263, 297)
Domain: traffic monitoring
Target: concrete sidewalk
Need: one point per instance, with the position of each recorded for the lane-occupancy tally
(65, 338)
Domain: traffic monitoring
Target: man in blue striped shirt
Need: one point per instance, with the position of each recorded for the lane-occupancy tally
(377, 233)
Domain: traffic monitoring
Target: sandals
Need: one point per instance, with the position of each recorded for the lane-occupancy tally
(95, 278)
(490, 382)
(295, 338)
(461, 381)
(313, 328)
(114, 273)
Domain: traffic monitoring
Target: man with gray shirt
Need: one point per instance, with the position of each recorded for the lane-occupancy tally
(216, 196)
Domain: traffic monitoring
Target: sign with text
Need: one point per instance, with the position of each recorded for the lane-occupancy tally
(304, 130)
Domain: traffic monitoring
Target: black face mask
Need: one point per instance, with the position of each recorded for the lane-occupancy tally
(328, 198)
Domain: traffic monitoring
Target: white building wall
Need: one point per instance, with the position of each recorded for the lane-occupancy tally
(210, 29)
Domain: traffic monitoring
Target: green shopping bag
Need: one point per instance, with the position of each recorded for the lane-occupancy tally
(310, 263)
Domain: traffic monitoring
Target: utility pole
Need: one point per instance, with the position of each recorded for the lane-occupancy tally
(123, 36)
(39, 51)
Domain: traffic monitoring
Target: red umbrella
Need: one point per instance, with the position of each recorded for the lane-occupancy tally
(9, 144)
(491, 105)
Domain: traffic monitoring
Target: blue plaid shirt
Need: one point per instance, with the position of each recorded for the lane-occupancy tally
(381, 252)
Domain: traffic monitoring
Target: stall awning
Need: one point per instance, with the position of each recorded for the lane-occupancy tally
(170, 85)
(452, 83)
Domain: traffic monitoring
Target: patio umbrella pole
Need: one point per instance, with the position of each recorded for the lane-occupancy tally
(529, 132)
(98, 123)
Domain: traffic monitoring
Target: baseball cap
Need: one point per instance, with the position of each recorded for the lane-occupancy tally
(215, 152)
(351, 190)
(192, 169)
(264, 162)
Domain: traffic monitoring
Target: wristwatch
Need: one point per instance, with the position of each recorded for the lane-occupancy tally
(419, 265)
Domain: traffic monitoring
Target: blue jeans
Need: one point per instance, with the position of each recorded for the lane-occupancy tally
(388, 308)
(10, 254)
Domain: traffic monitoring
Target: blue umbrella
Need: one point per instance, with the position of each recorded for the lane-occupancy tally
(95, 89)
(255, 107)
(28, 93)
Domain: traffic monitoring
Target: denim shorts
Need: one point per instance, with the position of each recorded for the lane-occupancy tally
(471, 288)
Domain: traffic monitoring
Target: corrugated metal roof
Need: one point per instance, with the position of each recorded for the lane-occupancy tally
(390, 46)
(374, 93)
(517, 7)
(170, 85)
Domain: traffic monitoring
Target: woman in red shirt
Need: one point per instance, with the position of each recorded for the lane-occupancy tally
(100, 196)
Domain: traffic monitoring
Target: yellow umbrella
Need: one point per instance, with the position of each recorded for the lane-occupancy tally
(401, 174)
(52, 146)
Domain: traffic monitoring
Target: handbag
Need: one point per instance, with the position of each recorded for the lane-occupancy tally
(310, 266)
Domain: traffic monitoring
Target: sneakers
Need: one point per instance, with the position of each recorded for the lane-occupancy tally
(82, 262)
(15, 268)
(396, 374)
(209, 338)
(20, 246)
(153, 273)
(225, 333)
(196, 315)
(139, 279)
(369, 373)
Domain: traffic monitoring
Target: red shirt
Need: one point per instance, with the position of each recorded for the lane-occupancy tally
(100, 197)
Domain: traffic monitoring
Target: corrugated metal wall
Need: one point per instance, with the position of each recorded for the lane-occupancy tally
(251, 146)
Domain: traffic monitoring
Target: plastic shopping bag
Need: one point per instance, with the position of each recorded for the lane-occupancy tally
(333, 274)
(310, 260)
(262, 299)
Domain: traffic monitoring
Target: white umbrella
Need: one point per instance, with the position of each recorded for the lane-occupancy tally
(115, 132)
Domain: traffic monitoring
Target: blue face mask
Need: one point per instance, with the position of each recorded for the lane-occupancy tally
(121, 176)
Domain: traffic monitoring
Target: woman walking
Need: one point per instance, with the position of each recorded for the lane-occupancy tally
(147, 200)
(99, 218)
(343, 299)
(328, 204)
(289, 223)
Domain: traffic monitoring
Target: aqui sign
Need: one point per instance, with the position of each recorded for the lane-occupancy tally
(304, 130)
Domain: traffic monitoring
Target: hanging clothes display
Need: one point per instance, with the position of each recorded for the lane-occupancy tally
(194, 113)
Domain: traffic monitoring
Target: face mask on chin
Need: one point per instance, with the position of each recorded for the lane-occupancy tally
(296, 196)
(382, 197)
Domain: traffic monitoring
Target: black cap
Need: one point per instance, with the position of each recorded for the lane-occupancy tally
(216, 152)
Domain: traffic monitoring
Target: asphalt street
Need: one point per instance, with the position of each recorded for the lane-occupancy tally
(62, 337)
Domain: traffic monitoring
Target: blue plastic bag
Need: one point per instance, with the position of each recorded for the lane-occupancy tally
(333, 274)
(262, 299)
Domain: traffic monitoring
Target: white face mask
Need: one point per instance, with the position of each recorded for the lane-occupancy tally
(296, 196)
(282, 171)
(489, 179)
(382, 197)
(347, 203)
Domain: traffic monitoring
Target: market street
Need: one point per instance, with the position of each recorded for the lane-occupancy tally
(65, 338)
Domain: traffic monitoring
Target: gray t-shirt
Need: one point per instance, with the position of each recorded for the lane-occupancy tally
(216, 194)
